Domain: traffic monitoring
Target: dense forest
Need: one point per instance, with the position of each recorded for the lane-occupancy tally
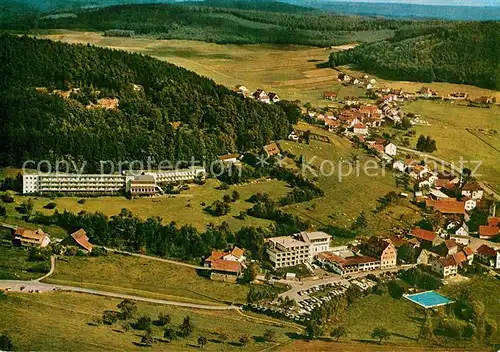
(164, 111)
(226, 21)
(459, 53)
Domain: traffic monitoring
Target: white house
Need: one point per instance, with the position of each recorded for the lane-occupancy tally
(293, 136)
(231, 158)
(470, 204)
(360, 128)
(489, 256)
(445, 267)
(399, 165)
(391, 149)
(274, 97)
(473, 190)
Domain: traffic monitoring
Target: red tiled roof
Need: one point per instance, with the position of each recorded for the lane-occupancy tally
(450, 244)
(447, 206)
(460, 257)
(487, 251)
(226, 265)
(31, 234)
(215, 256)
(468, 251)
(81, 238)
(422, 234)
(441, 182)
(473, 186)
(359, 125)
(237, 252)
(494, 221)
(447, 261)
(490, 231)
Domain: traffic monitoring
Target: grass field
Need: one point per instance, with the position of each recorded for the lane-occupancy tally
(144, 277)
(185, 208)
(461, 131)
(484, 289)
(346, 197)
(14, 265)
(60, 321)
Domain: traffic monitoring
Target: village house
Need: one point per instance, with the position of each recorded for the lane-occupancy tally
(272, 149)
(447, 206)
(236, 254)
(427, 239)
(426, 257)
(274, 97)
(360, 128)
(458, 228)
(473, 190)
(240, 89)
(31, 238)
(445, 267)
(464, 257)
(343, 77)
(330, 96)
(228, 159)
(293, 136)
(470, 204)
(459, 95)
(382, 250)
(437, 194)
(78, 239)
(225, 270)
(399, 165)
(488, 256)
(488, 232)
(261, 96)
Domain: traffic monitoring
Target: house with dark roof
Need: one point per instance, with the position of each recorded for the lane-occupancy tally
(445, 267)
(383, 250)
(473, 190)
(427, 239)
(488, 256)
(78, 239)
(31, 238)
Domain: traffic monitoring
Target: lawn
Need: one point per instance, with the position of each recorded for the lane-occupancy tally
(185, 208)
(14, 265)
(60, 321)
(346, 197)
(144, 277)
(461, 131)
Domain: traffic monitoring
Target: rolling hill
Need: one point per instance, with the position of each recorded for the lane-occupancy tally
(463, 52)
(84, 103)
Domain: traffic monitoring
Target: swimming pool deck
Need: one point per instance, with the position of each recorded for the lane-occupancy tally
(428, 299)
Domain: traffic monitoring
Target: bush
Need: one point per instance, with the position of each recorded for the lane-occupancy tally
(50, 205)
(396, 288)
(7, 199)
(110, 317)
(81, 201)
(98, 252)
(143, 323)
(3, 211)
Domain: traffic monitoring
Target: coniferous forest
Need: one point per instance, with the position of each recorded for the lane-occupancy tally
(165, 112)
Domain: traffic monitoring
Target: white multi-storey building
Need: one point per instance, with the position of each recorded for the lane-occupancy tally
(297, 249)
(102, 183)
(72, 183)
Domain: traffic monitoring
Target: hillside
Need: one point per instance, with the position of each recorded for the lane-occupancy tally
(459, 53)
(224, 21)
(39, 121)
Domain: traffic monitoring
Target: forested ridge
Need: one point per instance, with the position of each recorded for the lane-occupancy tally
(39, 125)
(226, 21)
(465, 53)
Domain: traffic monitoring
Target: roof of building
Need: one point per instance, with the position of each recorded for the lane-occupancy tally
(330, 94)
(460, 257)
(488, 230)
(468, 251)
(422, 234)
(494, 221)
(379, 244)
(272, 149)
(351, 260)
(450, 243)
(287, 241)
(441, 182)
(472, 186)
(359, 125)
(215, 256)
(438, 194)
(229, 156)
(487, 250)
(226, 265)
(30, 234)
(81, 238)
(396, 241)
(448, 206)
(316, 235)
(237, 252)
(142, 179)
(447, 261)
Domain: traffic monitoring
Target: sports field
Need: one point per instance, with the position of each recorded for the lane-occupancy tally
(60, 321)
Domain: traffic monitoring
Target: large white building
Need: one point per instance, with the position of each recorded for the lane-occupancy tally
(102, 183)
(297, 249)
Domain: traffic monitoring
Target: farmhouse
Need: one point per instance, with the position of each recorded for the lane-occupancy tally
(428, 239)
(78, 239)
(233, 159)
(329, 95)
(274, 97)
(225, 270)
(488, 232)
(447, 206)
(240, 89)
(31, 238)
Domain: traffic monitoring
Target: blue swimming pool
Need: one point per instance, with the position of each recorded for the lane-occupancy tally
(429, 299)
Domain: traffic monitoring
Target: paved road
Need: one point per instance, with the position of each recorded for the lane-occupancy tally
(455, 168)
(34, 286)
(52, 268)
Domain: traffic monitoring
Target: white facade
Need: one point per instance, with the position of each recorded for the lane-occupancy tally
(470, 204)
(318, 242)
(287, 251)
(391, 149)
(99, 183)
